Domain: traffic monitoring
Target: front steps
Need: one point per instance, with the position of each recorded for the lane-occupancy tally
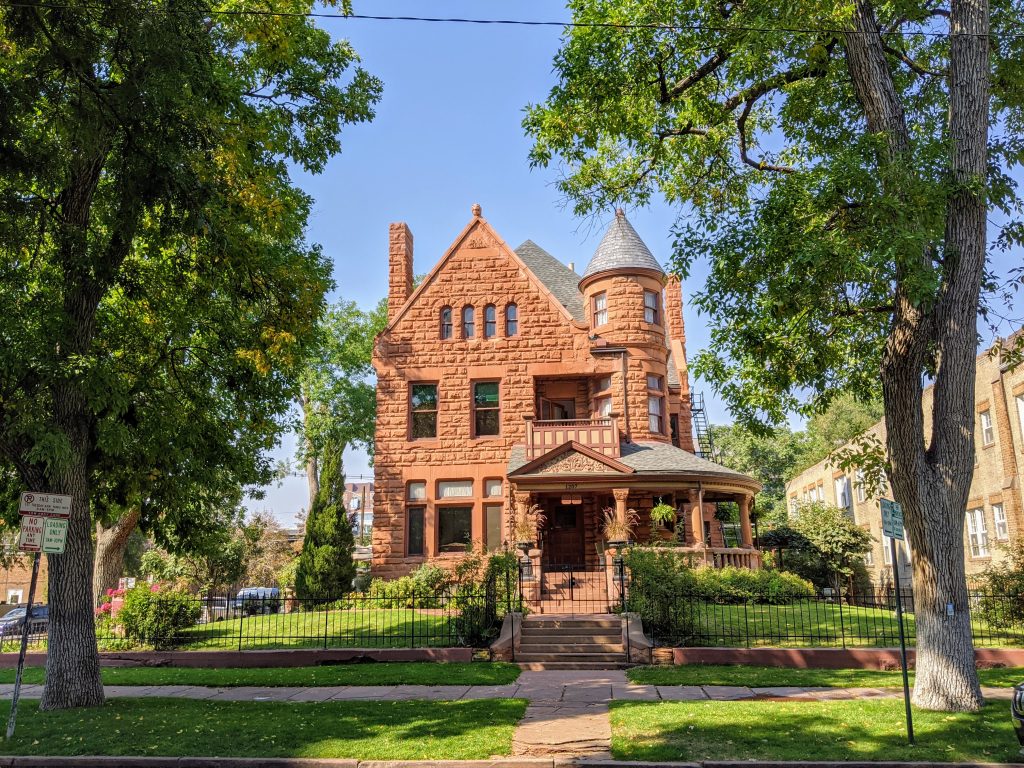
(571, 642)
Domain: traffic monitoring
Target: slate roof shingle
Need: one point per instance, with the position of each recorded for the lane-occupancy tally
(558, 278)
(621, 248)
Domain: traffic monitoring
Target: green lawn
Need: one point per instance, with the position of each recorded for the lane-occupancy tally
(813, 623)
(371, 730)
(398, 673)
(762, 677)
(356, 628)
(807, 730)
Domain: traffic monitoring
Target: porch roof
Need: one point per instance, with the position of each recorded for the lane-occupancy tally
(652, 458)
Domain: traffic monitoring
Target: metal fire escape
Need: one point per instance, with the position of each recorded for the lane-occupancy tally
(701, 428)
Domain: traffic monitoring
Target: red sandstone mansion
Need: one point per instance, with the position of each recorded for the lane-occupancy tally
(507, 382)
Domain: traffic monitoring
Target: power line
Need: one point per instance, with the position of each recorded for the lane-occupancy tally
(669, 27)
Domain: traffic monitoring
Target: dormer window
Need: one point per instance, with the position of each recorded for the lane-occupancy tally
(446, 322)
(490, 322)
(652, 309)
(600, 309)
(468, 325)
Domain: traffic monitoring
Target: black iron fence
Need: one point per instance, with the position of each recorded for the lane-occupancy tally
(822, 621)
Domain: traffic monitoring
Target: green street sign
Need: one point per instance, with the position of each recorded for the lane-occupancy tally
(892, 519)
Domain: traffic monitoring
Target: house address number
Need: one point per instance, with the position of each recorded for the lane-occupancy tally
(571, 486)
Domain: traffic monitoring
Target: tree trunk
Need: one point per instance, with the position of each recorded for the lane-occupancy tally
(111, 544)
(312, 466)
(932, 481)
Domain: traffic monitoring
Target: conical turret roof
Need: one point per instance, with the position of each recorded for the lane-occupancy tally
(621, 248)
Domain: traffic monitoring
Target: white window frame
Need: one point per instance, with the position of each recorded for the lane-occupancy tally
(600, 309)
(841, 485)
(988, 433)
(15, 596)
(886, 550)
(862, 493)
(652, 305)
(977, 532)
(1020, 413)
(656, 414)
(999, 523)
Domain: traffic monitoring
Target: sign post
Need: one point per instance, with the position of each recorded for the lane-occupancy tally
(892, 526)
(44, 528)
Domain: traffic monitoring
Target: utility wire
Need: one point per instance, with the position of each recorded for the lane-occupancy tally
(673, 27)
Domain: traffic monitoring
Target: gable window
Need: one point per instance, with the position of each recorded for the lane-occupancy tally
(423, 408)
(511, 320)
(446, 322)
(468, 325)
(600, 309)
(490, 322)
(977, 533)
(999, 518)
(454, 528)
(988, 435)
(486, 409)
(651, 308)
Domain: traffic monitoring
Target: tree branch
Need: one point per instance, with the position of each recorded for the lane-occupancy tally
(705, 69)
(911, 64)
(741, 127)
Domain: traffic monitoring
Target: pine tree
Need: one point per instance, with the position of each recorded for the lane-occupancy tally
(326, 568)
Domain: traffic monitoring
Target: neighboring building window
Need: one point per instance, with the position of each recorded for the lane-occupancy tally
(869, 558)
(604, 407)
(492, 526)
(468, 325)
(1020, 412)
(794, 505)
(454, 528)
(655, 414)
(423, 404)
(490, 321)
(492, 488)
(977, 533)
(820, 491)
(651, 313)
(416, 491)
(455, 489)
(486, 409)
(600, 309)
(414, 531)
(862, 493)
(843, 500)
(886, 549)
(511, 320)
(15, 595)
(446, 322)
(988, 435)
(999, 518)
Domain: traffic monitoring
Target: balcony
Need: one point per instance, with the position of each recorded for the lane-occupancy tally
(600, 434)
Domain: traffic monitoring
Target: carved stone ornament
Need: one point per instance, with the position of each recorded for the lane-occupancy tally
(572, 463)
(481, 240)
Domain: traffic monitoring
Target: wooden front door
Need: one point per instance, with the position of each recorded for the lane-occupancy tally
(563, 536)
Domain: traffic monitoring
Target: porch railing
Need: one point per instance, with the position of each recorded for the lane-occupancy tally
(600, 434)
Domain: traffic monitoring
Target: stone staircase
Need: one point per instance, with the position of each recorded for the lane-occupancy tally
(549, 641)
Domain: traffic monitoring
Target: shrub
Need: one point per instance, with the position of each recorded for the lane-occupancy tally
(426, 587)
(156, 617)
(1000, 590)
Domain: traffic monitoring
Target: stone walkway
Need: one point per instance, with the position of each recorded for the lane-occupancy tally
(567, 713)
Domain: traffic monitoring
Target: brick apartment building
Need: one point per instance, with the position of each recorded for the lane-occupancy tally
(507, 380)
(995, 514)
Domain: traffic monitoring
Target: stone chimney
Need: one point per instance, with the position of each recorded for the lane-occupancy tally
(399, 267)
(674, 309)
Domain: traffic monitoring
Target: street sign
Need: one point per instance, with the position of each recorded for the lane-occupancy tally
(32, 529)
(892, 519)
(45, 504)
(55, 533)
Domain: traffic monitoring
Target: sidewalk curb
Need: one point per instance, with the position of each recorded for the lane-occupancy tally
(95, 761)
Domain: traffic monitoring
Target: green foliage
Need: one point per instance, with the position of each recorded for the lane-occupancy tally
(326, 568)
(426, 587)
(663, 513)
(156, 617)
(833, 545)
(1001, 587)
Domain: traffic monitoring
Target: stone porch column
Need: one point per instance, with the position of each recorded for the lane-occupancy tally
(522, 499)
(696, 499)
(746, 505)
(621, 495)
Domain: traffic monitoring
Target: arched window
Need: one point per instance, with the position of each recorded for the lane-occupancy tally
(511, 320)
(446, 322)
(467, 322)
(490, 322)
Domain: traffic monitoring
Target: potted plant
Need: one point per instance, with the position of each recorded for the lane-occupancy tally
(526, 525)
(663, 514)
(619, 532)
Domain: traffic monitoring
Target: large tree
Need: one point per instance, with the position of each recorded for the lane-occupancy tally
(834, 162)
(153, 246)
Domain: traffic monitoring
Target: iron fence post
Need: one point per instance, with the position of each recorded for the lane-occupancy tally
(327, 615)
(241, 623)
(842, 622)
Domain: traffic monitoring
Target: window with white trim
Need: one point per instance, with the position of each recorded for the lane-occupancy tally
(988, 434)
(600, 309)
(651, 313)
(886, 549)
(454, 489)
(862, 493)
(1002, 530)
(842, 488)
(977, 532)
(1020, 412)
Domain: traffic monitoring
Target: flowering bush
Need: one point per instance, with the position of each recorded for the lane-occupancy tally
(154, 615)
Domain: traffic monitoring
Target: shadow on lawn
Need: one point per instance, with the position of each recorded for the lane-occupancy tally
(829, 730)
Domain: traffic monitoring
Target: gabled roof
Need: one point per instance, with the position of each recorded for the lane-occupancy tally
(559, 279)
(572, 447)
(621, 248)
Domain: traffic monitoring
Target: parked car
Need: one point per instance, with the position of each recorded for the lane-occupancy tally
(215, 609)
(12, 624)
(253, 600)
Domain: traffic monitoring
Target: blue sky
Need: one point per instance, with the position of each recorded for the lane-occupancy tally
(448, 134)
